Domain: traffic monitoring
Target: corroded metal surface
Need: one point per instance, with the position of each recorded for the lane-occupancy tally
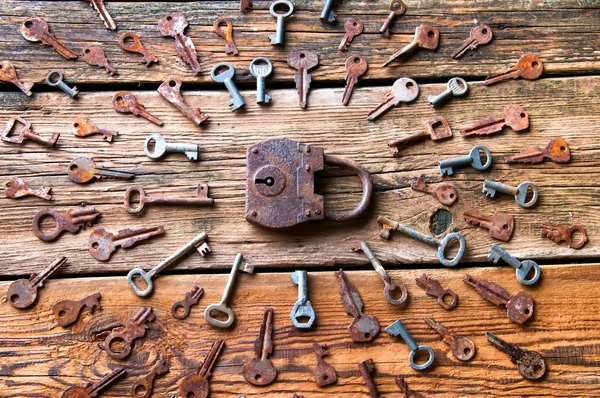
(67, 311)
(559, 233)
(71, 220)
(16, 187)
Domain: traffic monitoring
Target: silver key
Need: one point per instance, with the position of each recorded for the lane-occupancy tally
(261, 68)
(457, 87)
(161, 147)
(403, 90)
(72, 92)
(397, 329)
(327, 14)
(522, 267)
(520, 192)
(473, 159)
(303, 308)
(236, 102)
(278, 36)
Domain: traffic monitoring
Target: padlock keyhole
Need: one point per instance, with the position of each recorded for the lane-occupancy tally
(269, 181)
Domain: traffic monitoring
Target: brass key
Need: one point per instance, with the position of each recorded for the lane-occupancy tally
(531, 364)
(92, 389)
(363, 328)
(260, 370)
(125, 102)
(196, 385)
(173, 25)
(462, 348)
(82, 170)
(445, 193)
(72, 220)
(129, 41)
(95, 57)
(528, 67)
(9, 74)
(356, 66)
(36, 29)
(226, 34)
(428, 132)
(500, 224)
(134, 328)
(426, 37)
(480, 34)
(83, 127)
(25, 133)
(353, 27)
(16, 187)
(514, 117)
(22, 293)
(67, 311)
(102, 243)
(556, 150)
(302, 61)
(142, 388)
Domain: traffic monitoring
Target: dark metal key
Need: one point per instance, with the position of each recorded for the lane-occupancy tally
(92, 389)
(429, 131)
(95, 57)
(196, 385)
(16, 187)
(102, 243)
(324, 372)
(125, 102)
(71, 220)
(480, 34)
(528, 67)
(531, 364)
(433, 288)
(397, 8)
(129, 41)
(462, 348)
(9, 74)
(302, 61)
(363, 328)
(356, 66)
(142, 387)
(36, 29)
(514, 116)
(367, 368)
(170, 90)
(67, 311)
(104, 15)
(25, 133)
(226, 34)
(22, 293)
(260, 371)
(556, 150)
(173, 25)
(353, 27)
(500, 224)
(445, 193)
(181, 309)
(426, 37)
(135, 327)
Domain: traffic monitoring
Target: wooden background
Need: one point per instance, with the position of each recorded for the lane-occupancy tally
(37, 357)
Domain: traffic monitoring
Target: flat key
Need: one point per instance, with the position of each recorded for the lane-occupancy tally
(324, 372)
(445, 193)
(480, 34)
(302, 61)
(226, 34)
(36, 29)
(246, 5)
(278, 37)
(367, 368)
(173, 25)
(161, 147)
(142, 387)
(398, 329)
(261, 68)
(514, 117)
(327, 14)
(92, 389)
(433, 288)
(201, 199)
(531, 364)
(170, 90)
(181, 309)
(559, 233)
(129, 41)
(71, 91)
(95, 57)
(23, 293)
(9, 74)
(83, 127)
(67, 311)
(260, 370)
(556, 150)
(72, 221)
(397, 8)
(25, 133)
(16, 187)
(353, 27)
(462, 348)
(363, 328)
(82, 170)
(104, 15)
(125, 102)
(520, 192)
(426, 37)
(236, 102)
(522, 268)
(356, 66)
(500, 224)
(456, 87)
(403, 90)
(135, 328)
(473, 159)
(528, 67)
(303, 307)
(429, 131)
(196, 385)
(102, 244)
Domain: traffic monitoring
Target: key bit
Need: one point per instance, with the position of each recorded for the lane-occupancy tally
(170, 90)
(397, 8)
(403, 90)
(83, 127)
(445, 192)
(142, 388)
(433, 288)
(36, 29)
(303, 61)
(531, 364)
(559, 233)
(71, 220)
(556, 150)
(131, 42)
(528, 67)
(514, 117)
(67, 311)
(134, 328)
(173, 25)
(125, 102)
(9, 74)
(462, 348)
(367, 368)
(92, 389)
(102, 244)
(16, 187)
(23, 292)
(426, 37)
(25, 133)
(95, 57)
(260, 371)
(196, 385)
(500, 224)
(82, 170)
(363, 328)
(104, 15)
(181, 309)
(480, 34)
(324, 372)
(71, 91)
(429, 131)
(226, 34)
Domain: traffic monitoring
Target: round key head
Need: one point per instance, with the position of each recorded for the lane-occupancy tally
(124, 102)
(527, 267)
(259, 373)
(37, 231)
(405, 89)
(194, 386)
(356, 65)
(303, 60)
(137, 274)
(279, 4)
(129, 194)
(172, 24)
(520, 307)
(397, 7)
(222, 75)
(30, 26)
(453, 302)
(571, 234)
(530, 67)
(82, 170)
(411, 358)
(444, 244)
(54, 77)
(130, 41)
(531, 365)
(157, 142)
(558, 150)
(261, 66)
(388, 292)
(222, 308)
(75, 392)
(463, 348)
(20, 294)
(458, 86)
(516, 117)
(483, 33)
(118, 339)
(523, 191)
(475, 155)
(354, 25)
(100, 244)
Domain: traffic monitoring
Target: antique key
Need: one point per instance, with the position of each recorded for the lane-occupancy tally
(22, 293)
(397, 329)
(559, 233)
(433, 288)
(125, 102)
(302, 308)
(135, 327)
(500, 224)
(324, 372)
(426, 37)
(462, 348)
(556, 150)
(456, 87)
(104, 15)
(514, 117)
(261, 68)
(260, 370)
(480, 34)
(92, 389)
(522, 268)
(327, 13)
(9, 74)
(429, 131)
(353, 27)
(142, 387)
(181, 309)
(161, 147)
(82, 170)
(403, 90)
(367, 368)
(356, 66)
(227, 34)
(302, 61)
(531, 364)
(25, 133)
(397, 8)
(102, 243)
(473, 159)
(129, 41)
(71, 92)
(173, 25)
(83, 127)
(519, 307)
(201, 199)
(67, 311)
(390, 286)
(520, 192)
(71, 220)
(95, 57)
(278, 37)
(528, 67)
(445, 193)
(36, 29)
(236, 102)
(196, 385)
(363, 328)
(16, 187)
(170, 90)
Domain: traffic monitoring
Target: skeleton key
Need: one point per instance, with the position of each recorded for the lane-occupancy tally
(25, 133)
(95, 57)
(367, 368)
(92, 389)
(22, 293)
(102, 243)
(16, 187)
(174, 25)
(227, 34)
(260, 370)
(324, 372)
(426, 37)
(236, 102)
(104, 15)
(327, 13)
(353, 28)
(500, 224)
(363, 328)
(129, 41)
(261, 68)
(170, 90)
(196, 385)
(72, 220)
(82, 170)
(428, 132)
(83, 127)
(303, 307)
(531, 364)
(559, 233)
(462, 348)
(181, 309)
(356, 66)
(125, 102)
(473, 159)
(245, 5)
(522, 269)
(278, 37)
(302, 61)
(528, 67)
(480, 34)
(161, 147)
(397, 8)
(445, 193)
(556, 150)
(9, 74)
(520, 192)
(142, 388)
(433, 288)
(71, 92)
(67, 311)
(519, 307)
(201, 199)
(403, 90)
(135, 327)
(514, 117)
(36, 29)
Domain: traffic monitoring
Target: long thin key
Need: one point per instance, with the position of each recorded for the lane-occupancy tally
(102, 243)
(129, 41)
(72, 220)
(500, 224)
(367, 368)
(519, 307)
(462, 348)
(71, 92)
(278, 37)
(227, 34)
(520, 192)
(9, 74)
(25, 133)
(67, 311)
(302, 308)
(170, 90)
(173, 25)
(95, 57)
(433, 288)
(16, 187)
(245, 5)
(201, 199)
(397, 8)
(528, 67)
(429, 131)
(104, 15)
(522, 269)
(142, 387)
(196, 385)
(135, 327)
(261, 68)
(426, 37)
(161, 147)
(181, 309)
(531, 364)
(353, 27)
(363, 328)
(398, 329)
(514, 117)
(302, 61)
(22, 293)
(327, 13)
(92, 389)
(36, 29)
(236, 102)
(473, 159)
(125, 102)
(356, 66)
(260, 370)
(445, 192)
(559, 233)
(556, 150)
(83, 127)
(82, 170)
(480, 34)
(324, 372)
(403, 90)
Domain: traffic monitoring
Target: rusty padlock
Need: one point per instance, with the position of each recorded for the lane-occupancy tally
(280, 183)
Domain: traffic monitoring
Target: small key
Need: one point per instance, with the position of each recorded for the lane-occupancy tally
(433, 288)
(278, 37)
(36, 29)
(129, 41)
(356, 66)
(125, 102)
(245, 5)
(473, 159)
(327, 13)
(72, 92)
(429, 131)
(104, 15)
(260, 370)
(102, 243)
(82, 170)
(403, 90)
(135, 327)
(181, 309)
(367, 368)
(390, 286)
(25, 133)
(170, 90)
(236, 102)
(95, 57)
(67, 311)
(196, 385)
(522, 269)
(83, 127)
(324, 372)
(500, 224)
(462, 348)
(227, 34)
(22, 293)
(520, 192)
(173, 25)
(397, 8)
(71, 220)
(201, 199)
(456, 87)
(531, 364)
(397, 329)
(9, 74)
(519, 307)
(363, 328)
(303, 308)
(389, 225)
(92, 389)
(198, 243)
(302, 61)
(445, 193)
(514, 117)
(426, 37)
(261, 68)
(142, 387)
(222, 307)
(16, 187)
(480, 35)
(559, 233)
(161, 147)
(556, 150)
(528, 67)
(353, 27)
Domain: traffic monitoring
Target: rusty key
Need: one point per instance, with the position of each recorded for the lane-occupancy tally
(25, 133)
(22, 293)
(83, 127)
(72, 221)
(245, 5)
(528, 67)
(201, 199)
(428, 132)
(82, 170)
(104, 15)
(514, 117)
(445, 193)
(480, 34)
(16, 187)
(67, 311)
(125, 102)
(397, 8)
(196, 385)
(135, 327)
(181, 309)
(556, 150)
(95, 57)
(173, 25)
(531, 364)
(426, 37)
(353, 27)
(367, 368)
(363, 328)
(500, 224)
(9, 74)
(559, 233)
(433, 288)
(36, 29)
(102, 243)
(142, 387)
(462, 348)
(324, 372)
(129, 41)
(356, 66)
(92, 389)
(226, 34)
(170, 90)
(302, 61)
(260, 371)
